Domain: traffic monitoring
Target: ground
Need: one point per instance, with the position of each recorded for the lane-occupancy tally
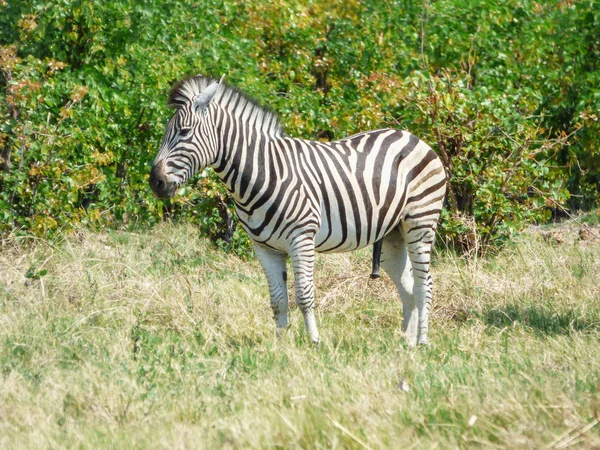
(156, 340)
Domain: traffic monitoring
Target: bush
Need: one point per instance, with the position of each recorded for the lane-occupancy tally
(503, 92)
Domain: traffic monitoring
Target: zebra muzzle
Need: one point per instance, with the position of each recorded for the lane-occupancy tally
(160, 185)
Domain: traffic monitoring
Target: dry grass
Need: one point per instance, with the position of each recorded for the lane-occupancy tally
(157, 341)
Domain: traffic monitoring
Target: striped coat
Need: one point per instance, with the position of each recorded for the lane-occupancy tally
(295, 196)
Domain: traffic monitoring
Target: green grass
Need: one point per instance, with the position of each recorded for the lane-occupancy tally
(124, 340)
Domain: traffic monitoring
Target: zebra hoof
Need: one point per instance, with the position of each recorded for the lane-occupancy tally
(280, 332)
(411, 342)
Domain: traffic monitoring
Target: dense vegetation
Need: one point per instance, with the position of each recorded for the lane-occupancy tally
(506, 93)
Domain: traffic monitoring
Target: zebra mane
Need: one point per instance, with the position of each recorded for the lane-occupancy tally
(229, 98)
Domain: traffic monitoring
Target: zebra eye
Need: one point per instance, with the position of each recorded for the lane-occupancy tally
(185, 131)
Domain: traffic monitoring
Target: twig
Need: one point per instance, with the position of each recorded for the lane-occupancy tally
(565, 440)
(424, 18)
(349, 433)
(287, 422)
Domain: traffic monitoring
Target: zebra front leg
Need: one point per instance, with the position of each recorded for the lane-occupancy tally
(303, 261)
(274, 266)
(395, 261)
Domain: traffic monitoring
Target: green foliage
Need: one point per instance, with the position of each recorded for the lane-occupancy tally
(494, 178)
(505, 93)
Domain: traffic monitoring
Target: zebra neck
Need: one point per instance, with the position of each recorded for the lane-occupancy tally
(245, 155)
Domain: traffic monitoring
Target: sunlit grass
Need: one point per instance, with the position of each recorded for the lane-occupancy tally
(155, 340)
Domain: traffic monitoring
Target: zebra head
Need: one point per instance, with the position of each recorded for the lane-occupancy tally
(189, 144)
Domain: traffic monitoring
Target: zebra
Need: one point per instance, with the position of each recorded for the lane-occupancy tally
(296, 197)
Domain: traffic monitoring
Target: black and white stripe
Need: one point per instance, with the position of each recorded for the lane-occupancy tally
(295, 196)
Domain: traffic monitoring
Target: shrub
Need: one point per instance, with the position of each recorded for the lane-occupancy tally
(503, 92)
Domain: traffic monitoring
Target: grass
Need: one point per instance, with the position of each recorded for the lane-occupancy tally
(155, 340)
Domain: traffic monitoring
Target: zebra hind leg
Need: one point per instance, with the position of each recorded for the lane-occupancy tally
(274, 266)
(395, 261)
(302, 255)
(419, 242)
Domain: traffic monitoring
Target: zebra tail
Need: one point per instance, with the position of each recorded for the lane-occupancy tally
(376, 258)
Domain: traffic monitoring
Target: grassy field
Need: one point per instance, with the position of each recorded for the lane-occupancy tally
(125, 340)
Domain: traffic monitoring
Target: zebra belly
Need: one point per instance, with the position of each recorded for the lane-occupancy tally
(336, 234)
(339, 234)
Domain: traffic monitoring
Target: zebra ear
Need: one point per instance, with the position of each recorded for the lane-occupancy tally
(203, 99)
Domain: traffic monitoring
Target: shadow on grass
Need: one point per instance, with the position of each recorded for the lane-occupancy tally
(540, 319)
